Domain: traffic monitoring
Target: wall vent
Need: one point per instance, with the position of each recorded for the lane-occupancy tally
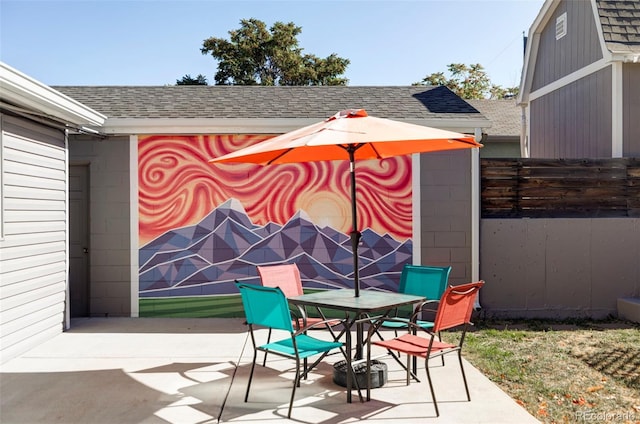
(561, 26)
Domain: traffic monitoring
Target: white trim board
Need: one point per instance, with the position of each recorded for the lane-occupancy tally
(127, 126)
(134, 221)
(568, 79)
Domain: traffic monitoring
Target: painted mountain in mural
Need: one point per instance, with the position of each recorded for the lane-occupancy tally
(206, 258)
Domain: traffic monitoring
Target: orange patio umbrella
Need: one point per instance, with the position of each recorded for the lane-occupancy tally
(350, 134)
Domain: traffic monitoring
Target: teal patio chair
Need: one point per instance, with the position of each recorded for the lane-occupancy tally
(287, 278)
(420, 280)
(267, 307)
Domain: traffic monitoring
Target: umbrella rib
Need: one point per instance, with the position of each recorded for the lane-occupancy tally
(279, 156)
(462, 140)
(373, 147)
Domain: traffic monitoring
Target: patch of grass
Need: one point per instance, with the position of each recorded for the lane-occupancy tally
(563, 371)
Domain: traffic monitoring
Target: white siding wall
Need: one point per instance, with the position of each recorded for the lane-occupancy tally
(33, 252)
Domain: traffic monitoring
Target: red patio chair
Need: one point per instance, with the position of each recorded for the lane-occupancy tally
(454, 310)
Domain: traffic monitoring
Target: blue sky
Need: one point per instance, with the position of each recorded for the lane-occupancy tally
(156, 42)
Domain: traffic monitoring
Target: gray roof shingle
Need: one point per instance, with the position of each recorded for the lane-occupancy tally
(620, 21)
(218, 101)
(505, 116)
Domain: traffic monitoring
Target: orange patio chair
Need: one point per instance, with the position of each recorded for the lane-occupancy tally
(421, 280)
(454, 310)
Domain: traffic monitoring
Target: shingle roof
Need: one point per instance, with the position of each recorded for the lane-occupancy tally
(505, 116)
(406, 102)
(620, 21)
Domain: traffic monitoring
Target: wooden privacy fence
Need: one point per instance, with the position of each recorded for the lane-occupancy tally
(559, 188)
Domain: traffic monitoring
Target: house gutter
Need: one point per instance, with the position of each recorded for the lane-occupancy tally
(141, 126)
(25, 92)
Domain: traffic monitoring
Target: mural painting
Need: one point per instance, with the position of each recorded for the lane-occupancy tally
(202, 226)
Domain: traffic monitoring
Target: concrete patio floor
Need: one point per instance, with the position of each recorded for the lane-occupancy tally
(192, 371)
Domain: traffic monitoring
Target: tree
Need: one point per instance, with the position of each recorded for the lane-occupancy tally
(188, 80)
(256, 55)
(469, 82)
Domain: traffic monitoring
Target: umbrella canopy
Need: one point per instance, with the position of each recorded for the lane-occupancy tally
(350, 134)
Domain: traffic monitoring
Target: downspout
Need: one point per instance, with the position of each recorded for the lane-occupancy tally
(475, 214)
(416, 210)
(67, 296)
(524, 139)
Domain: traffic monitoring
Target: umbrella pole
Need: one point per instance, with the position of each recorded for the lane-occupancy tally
(355, 234)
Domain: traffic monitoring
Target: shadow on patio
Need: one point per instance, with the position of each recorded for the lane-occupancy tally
(183, 371)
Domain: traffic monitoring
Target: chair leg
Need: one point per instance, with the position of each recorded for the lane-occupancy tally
(441, 356)
(408, 368)
(253, 365)
(433, 393)
(464, 377)
(296, 383)
(264, 361)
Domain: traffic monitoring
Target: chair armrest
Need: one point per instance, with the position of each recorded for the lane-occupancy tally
(411, 325)
(324, 323)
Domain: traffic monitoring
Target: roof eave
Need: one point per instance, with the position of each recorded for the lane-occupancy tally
(129, 126)
(24, 91)
(532, 48)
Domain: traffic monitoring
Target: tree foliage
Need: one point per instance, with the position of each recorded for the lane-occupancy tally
(255, 55)
(469, 82)
(188, 80)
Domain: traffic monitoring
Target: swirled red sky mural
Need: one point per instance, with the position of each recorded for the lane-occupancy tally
(178, 187)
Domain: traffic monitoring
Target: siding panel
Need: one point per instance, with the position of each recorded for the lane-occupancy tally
(27, 331)
(13, 203)
(16, 329)
(23, 276)
(18, 228)
(28, 251)
(15, 192)
(25, 304)
(577, 49)
(631, 109)
(32, 239)
(560, 119)
(25, 169)
(31, 336)
(11, 265)
(33, 181)
(32, 284)
(34, 216)
(33, 253)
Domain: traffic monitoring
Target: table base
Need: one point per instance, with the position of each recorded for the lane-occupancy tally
(378, 374)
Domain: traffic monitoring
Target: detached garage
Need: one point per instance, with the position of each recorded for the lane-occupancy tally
(35, 240)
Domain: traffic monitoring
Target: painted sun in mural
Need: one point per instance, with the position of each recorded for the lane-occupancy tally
(326, 209)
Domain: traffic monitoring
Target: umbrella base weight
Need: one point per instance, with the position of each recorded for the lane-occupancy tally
(378, 374)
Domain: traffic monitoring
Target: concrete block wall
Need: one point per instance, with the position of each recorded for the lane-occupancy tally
(445, 209)
(558, 268)
(109, 217)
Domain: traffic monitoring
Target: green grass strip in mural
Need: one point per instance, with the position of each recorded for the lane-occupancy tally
(205, 307)
(193, 307)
